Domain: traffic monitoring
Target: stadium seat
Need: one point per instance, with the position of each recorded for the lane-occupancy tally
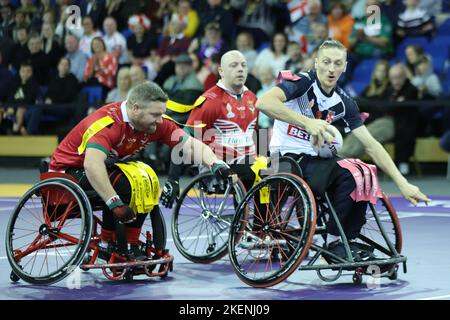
(355, 88)
(94, 93)
(441, 41)
(444, 28)
(363, 71)
(126, 33)
(446, 6)
(263, 46)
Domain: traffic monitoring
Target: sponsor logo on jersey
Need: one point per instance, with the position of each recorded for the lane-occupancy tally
(298, 133)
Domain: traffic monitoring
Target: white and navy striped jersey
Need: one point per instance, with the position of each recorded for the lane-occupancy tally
(306, 96)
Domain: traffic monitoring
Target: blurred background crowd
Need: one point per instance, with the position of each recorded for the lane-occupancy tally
(55, 69)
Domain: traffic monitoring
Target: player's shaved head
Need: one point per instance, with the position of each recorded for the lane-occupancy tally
(233, 70)
(229, 56)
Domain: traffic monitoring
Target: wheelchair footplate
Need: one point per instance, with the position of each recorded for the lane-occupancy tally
(120, 268)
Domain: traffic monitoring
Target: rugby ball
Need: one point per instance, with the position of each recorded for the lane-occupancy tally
(331, 146)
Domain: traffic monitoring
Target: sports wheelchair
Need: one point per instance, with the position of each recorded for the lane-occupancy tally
(54, 229)
(271, 238)
(202, 217)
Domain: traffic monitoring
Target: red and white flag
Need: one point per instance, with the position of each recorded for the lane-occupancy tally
(297, 9)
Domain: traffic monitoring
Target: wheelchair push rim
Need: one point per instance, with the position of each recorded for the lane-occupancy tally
(266, 247)
(47, 239)
(202, 217)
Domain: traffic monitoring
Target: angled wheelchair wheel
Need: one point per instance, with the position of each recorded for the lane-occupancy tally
(378, 238)
(202, 217)
(49, 231)
(272, 230)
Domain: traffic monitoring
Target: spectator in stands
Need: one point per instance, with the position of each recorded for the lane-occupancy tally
(214, 11)
(405, 119)
(89, 33)
(189, 17)
(302, 27)
(115, 42)
(39, 60)
(24, 91)
(123, 86)
(275, 56)
(94, 9)
(432, 7)
(28, 8)
(369, 40)
(319, 35)
(246, 46)
(175, 43)
(256, 17)
(414, 54)
(78, 58)
(380, 125)
(101, 68)
(21, 19)
(212, 43)
(184, 86)
(21, 52)
(340, 24)
(295, 62)
(137, 75)
(414, 21)
(7, 21)
(267, 82)
(143, 42)
(5, 81)
(52, 48)
(42, 8)
(426, 81)
(61, 94)
(392, 9)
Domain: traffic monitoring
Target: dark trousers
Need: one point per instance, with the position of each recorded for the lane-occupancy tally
(339, 184)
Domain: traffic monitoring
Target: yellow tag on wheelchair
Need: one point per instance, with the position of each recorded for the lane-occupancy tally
(144, 184)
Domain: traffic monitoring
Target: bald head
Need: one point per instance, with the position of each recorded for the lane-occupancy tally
(397, 76)
(230, 56)
(233, 70)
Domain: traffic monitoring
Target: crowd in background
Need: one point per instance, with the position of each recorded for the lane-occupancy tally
(51, 64)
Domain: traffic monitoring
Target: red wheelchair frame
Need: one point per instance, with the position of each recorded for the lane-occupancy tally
(63, 201)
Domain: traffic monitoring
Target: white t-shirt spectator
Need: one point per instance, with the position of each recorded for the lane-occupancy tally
(267, 58)
(117, 40)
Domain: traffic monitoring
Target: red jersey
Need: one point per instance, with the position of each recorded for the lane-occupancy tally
(230, 123)
(109, 130)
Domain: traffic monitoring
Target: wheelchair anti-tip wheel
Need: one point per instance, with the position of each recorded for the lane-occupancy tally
(272, 230)
(202, 217)
(49, 231)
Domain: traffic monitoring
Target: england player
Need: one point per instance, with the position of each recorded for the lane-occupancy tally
(304, 108)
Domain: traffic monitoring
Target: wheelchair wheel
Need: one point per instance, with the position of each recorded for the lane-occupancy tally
(49, 231)
(270, 239)
(202, 217)
(372, 235)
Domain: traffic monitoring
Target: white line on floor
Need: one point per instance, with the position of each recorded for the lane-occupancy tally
(436, 298)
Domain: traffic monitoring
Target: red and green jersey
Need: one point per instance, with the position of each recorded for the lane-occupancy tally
(230, 122)
(109, 130)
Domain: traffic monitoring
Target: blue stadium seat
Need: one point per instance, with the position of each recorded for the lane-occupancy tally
(444, 28)
(94, 93)
(363, 71)
(446, 6)
(356, 88)
(126, 33)
(441, 41)
(446, 87)
(263, 46)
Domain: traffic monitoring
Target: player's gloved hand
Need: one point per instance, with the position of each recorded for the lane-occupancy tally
(121, 210)
(171, 191)
(221, 170)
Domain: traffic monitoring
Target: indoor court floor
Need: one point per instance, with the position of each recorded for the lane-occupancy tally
(426, 239)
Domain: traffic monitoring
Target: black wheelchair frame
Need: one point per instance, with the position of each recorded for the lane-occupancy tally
(284, 229)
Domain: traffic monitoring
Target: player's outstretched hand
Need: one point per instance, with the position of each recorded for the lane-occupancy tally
(413, 194)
